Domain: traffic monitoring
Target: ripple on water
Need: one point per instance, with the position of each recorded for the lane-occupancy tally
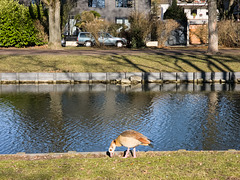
(88, 121)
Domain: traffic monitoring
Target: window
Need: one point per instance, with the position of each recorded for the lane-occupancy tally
(123, 21)
(84, 35)
(96, 3)
(119, 21)
(124, 3)
(104, 35)
(194, 12)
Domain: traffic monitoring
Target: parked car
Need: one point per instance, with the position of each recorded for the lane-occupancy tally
(86, 39)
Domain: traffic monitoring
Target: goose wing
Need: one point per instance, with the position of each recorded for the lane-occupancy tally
(136, 135)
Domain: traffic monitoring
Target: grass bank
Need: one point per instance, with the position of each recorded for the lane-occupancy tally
(119, 63)
(150, 165)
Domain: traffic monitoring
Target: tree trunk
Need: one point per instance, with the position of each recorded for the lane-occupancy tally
(212, 27)
(54, 23)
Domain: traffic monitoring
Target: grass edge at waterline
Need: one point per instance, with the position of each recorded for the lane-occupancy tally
(148, 165)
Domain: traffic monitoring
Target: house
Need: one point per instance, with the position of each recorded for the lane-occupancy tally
(197, 15)
(164, 5)
(116, 11)
(178, 36)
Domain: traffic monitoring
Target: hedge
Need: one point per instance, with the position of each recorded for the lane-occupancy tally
(16, 25)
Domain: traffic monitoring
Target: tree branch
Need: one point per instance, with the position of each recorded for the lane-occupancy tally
(46, 2)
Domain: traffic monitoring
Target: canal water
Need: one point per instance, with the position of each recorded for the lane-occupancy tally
(86, 118)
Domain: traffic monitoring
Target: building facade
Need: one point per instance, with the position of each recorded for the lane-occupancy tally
(197, 18)
(115, 11)
(112, 10)
(197, 15)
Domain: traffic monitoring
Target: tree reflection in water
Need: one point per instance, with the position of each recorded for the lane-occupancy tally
(61, 118)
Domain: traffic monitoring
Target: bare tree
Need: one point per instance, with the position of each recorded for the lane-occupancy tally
(140, 28)
(212, 27)
(54, 23)
(164, 29)
(227, 33)
(89, 21)
(226, 8)
(95, 27)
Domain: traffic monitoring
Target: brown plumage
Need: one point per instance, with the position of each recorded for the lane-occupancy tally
(129, 139)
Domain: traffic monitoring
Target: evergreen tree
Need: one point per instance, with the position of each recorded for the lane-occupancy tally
(16, 25)
(175, 12)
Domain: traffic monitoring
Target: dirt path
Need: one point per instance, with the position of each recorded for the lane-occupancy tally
(124, 51)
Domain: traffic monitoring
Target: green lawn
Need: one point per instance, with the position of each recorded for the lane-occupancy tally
(150, 165)
(119, 63)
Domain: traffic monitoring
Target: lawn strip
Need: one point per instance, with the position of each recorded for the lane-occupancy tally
(151, 165)
(119, 63)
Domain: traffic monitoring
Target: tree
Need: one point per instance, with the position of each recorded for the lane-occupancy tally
(161, 29)
(86, 17)
(175, 12)
(164, 29)
(227, 33)
(66, 7)
(90, 21)
(212, 27)
(54, 23)
(16, 26)
(226, 8)
(139, 29)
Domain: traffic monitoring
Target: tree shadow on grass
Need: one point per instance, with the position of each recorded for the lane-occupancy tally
(176, 59)
(129, 63)
(208, 63)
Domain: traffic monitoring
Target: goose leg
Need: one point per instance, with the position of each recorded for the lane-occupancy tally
(134, 152)
(127, 153)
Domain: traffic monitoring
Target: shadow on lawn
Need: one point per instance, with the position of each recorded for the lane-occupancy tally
(214, 63)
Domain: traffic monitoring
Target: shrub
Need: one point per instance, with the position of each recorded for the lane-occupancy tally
(86, 17)
(164, 29)
(96, 26)
(115, 29)
(89, 21)
(16, 26)
(227, 33)
(140, 28)
(40, 20)
(41, 34)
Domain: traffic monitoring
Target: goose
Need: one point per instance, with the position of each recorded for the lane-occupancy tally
(129, 139)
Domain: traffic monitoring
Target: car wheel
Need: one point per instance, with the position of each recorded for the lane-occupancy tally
(88, 44)
(119, 44)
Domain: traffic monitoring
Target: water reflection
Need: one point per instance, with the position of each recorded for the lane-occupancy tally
(61, 118)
